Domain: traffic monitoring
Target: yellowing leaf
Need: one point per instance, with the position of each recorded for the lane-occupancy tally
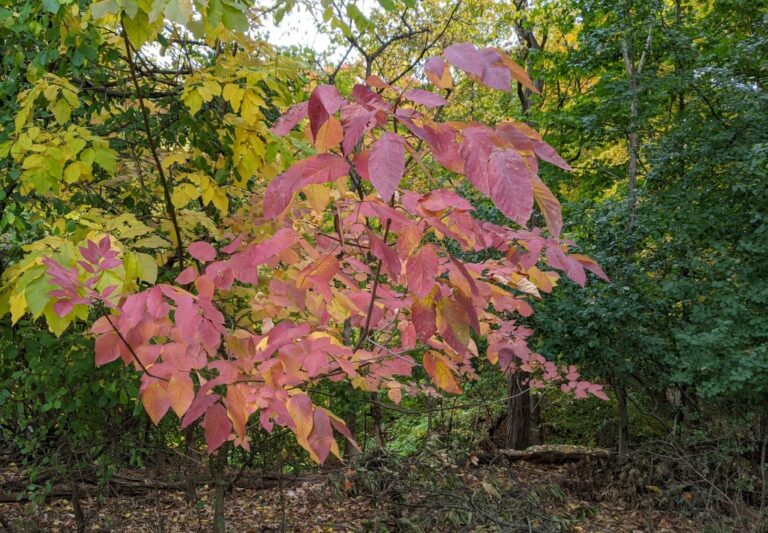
(329, 135)
(318, 196)
(147, 270)
(183, 194)
(438, 368)
(18, 303)
(61, 111)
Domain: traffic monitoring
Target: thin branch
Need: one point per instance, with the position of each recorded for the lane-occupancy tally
(153, 148)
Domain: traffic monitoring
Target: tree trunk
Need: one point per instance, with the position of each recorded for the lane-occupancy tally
(517, 430)
(190, 495)
(376, 415)
(217, 463)
(621, 397)
(350, 450)
(77, 509)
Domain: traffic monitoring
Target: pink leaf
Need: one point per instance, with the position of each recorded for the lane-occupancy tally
(199, 405)
(422, 271)
(202, 251)
(320, 168)
(321, 438)
(217, 427)
(510, 184)
(388, 256)
(386, 164)
(485, 64)
(188, 275)
(294, 115)
(548, 154)
(425, 98)
(558, 259)
(63, 307)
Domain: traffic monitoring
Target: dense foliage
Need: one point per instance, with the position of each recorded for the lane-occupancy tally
(373, 226)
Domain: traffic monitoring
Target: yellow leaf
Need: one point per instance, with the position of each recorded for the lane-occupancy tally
(183, 194)
(233, 94)
(152, 242)
(61, 111)
(18, 303)
(317, 196)
(193, 101)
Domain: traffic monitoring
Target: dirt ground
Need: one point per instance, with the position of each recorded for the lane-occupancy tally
(315, 506)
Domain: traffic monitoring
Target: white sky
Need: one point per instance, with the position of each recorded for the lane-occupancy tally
(299, 28)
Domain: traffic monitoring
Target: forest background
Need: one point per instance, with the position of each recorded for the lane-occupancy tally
(658, 107)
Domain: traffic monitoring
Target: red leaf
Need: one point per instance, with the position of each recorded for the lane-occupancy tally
(422, 271)
(591, 265)
(388, 256)
(386, 164)
(199, 405)
(108, 347)
(424, 318)
(356, 121)
(517, 71)
(475, 151)
(442, 141)
(510, 184)
(440, 199)
(202, 251)
(316, 169)
(217, 427)
(425, 98)
(324, 101)
(294, 115)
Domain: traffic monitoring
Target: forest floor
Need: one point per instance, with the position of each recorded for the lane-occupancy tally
(334, 503)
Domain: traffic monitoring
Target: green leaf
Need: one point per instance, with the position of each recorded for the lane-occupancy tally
(389, 5)
(52, 6)
(234, 17)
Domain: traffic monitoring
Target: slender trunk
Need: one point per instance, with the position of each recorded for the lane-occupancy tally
(350, 450)
(621, 398)
(190, 494)
(518, 424)
(376, 415)
(217, 463)
(77, 509)
(763, 481)
(633, 148)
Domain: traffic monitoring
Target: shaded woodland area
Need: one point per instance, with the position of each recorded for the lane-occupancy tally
(439, 265)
